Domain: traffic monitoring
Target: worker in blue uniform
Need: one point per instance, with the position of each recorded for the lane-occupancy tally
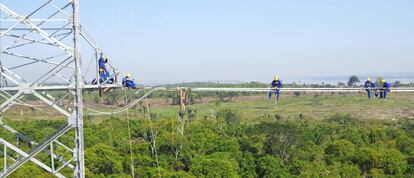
(128, 81)
(385, 89)
(369, 87)
(104, 74)
(275, 85)
(103, 61)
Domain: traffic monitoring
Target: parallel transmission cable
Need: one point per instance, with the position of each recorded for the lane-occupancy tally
(96, 112)
(132, 168)
(152, 135)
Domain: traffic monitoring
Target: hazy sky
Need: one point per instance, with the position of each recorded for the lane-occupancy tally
(252, 40)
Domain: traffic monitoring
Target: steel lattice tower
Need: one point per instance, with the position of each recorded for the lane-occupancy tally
(40, 56)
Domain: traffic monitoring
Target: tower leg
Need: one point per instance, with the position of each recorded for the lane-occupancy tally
(79, 140)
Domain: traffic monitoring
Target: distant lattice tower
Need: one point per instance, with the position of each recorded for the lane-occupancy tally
(40, 61)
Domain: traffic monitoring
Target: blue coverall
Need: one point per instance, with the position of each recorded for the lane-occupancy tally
(369, 86)
(385, 89)
(104, 74)
(127, 82)
(275, 84)
(102, 62)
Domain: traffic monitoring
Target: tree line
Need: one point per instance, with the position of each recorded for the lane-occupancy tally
(225, 146)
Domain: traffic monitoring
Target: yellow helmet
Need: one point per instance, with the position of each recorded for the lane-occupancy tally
(276, 78)
(369, 79)
(128, 75)
(382, 81)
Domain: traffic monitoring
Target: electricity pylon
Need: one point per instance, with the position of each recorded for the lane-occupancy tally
(40, 56)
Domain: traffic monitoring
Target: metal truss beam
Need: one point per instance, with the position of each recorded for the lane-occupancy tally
(36, 29)
(24, 154)
(19, 162)
(64, 87)
(33, 59)
(32, 29)
(30, 142)
(36, 20)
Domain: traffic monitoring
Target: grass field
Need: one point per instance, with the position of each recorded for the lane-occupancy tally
(314, 106)
(253, 108)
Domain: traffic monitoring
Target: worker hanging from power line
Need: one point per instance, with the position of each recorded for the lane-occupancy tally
(275, 85)
(385, 89)
(128, 81)
(369, 87)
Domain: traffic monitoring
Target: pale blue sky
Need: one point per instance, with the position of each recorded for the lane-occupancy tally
(252, 40)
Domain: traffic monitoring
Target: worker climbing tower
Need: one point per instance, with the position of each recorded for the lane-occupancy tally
(41, 62)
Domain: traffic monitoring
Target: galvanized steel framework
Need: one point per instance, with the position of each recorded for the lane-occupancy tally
(27, 42)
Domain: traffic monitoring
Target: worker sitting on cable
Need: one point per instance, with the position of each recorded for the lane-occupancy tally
(128, 81)
(369, 87)
(385, 89)
(276, 85)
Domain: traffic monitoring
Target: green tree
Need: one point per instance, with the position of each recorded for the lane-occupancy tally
(102, 159)
(281, 138)
(353, 80)
(410, 167)
(349, 171)
(392, 162)
(318, 134)
(271, 167)
(339, 151)
(377, 173)
(247, 165)
(378, 135)
(178, 174)
(359, 137)
(364, 159)
(221, 165)
(229, 116)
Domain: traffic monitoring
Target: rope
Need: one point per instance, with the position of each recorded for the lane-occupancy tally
(127, 106)
(152, 133)
(89, 65)
(376, 148)
(129, 139)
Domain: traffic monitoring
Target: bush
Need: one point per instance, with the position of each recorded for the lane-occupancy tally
(339, 151)
(102, 159)
(349, 170)
(269, 166)
(229, 116)
(210, 166)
